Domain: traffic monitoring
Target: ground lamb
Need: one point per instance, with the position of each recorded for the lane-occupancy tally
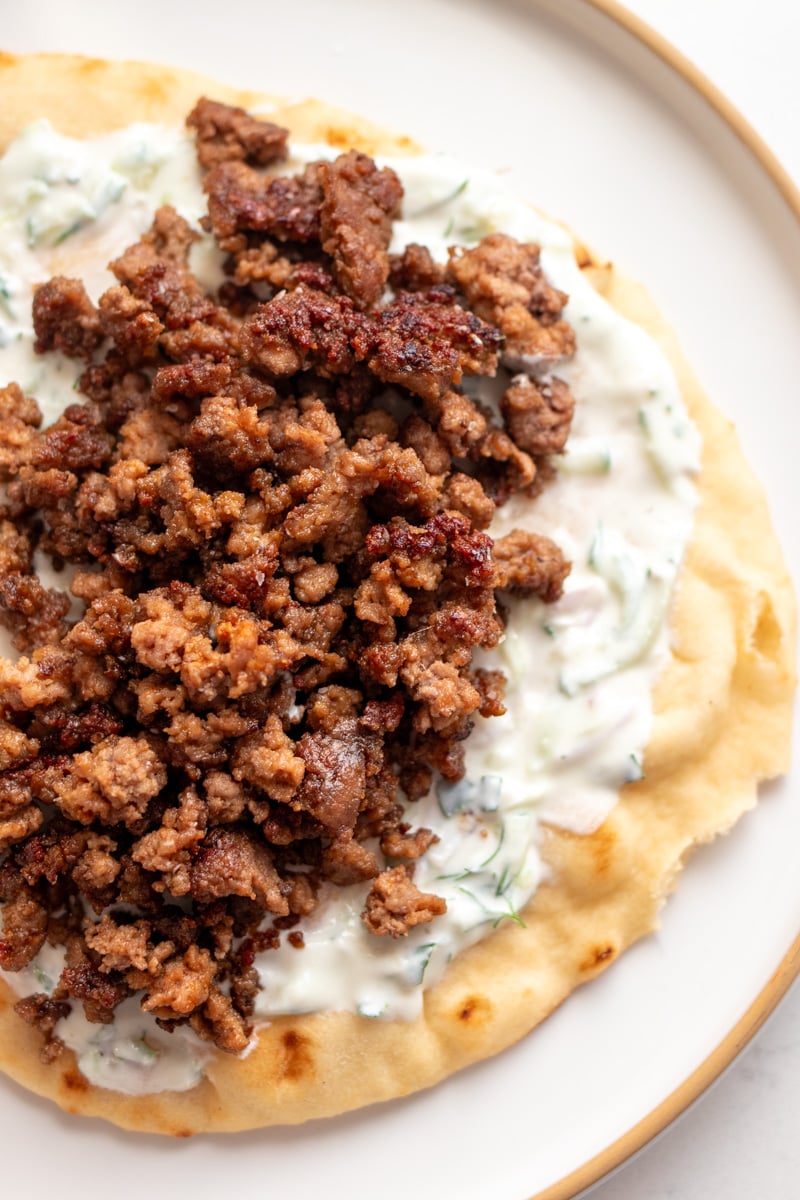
(276, 501)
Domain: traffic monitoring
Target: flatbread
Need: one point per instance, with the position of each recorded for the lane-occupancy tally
(723, 716)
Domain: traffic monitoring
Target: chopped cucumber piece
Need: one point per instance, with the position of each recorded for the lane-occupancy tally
(670, 438)
(467, 796)
(643, 598)
(139, 162)
(585, 456)
(135, 1050)
(65, 208)
(43, 978)
(489, 791)
(455, 797)
(623, 569)
(626, 645)
(372, 1009)
(501, 837)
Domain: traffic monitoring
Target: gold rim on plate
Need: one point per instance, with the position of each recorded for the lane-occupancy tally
(766, 1001)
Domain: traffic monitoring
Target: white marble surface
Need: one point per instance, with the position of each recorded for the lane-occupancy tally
(741, 1141)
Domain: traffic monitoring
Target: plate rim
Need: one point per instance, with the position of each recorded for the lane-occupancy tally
(683, 1097)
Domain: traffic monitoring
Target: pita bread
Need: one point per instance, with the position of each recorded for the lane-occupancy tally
(723, 711)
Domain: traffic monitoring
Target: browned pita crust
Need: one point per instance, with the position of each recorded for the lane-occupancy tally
(723, 712)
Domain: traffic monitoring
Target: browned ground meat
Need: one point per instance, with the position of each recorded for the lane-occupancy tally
(414, 270)
(503, 282)
(530, 563)
(232, 862)
(358, 205)
(34, 614)
(394, 905)
(300, 329)
(226, 132)
(538, 414)
(44, 1014)
(426, 342)
(24, 920)
(242, 202)
(20, 417)
(65, 319)
(276, 510)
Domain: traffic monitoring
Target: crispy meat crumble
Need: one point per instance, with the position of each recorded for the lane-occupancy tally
(275, 500)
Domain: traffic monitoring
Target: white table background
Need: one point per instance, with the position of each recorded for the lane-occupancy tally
(742, 1140)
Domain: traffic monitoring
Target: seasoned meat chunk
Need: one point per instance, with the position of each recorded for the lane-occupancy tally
(270, 761)
(241, 201)
(394, 905)
(183, 984)
(464, 494)
(430, 448)
(219, 1022)
(300, 329)
(99, 992)
(120, 946)
(427, 342)
(402, 843)
(462, 425)
(226, 132)
(113, 782)
(414, 270)
(24, 921)
(65, 319)
(168, 850)
(538, 415)
(334, 783)
(18, 824)
(34, 614)
(20, 417)
(503, 283)
(131, 323)
(530, 563)
(228, 437)
(359, 202)
(156, 267)
(233, 862)
(190, 380)
(76, 442)
(44, 1014)
(347, 861)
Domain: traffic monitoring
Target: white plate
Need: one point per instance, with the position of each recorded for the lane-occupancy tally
(598, 131)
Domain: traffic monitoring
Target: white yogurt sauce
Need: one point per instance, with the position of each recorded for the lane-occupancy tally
(580, 672)
(131, 1055)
